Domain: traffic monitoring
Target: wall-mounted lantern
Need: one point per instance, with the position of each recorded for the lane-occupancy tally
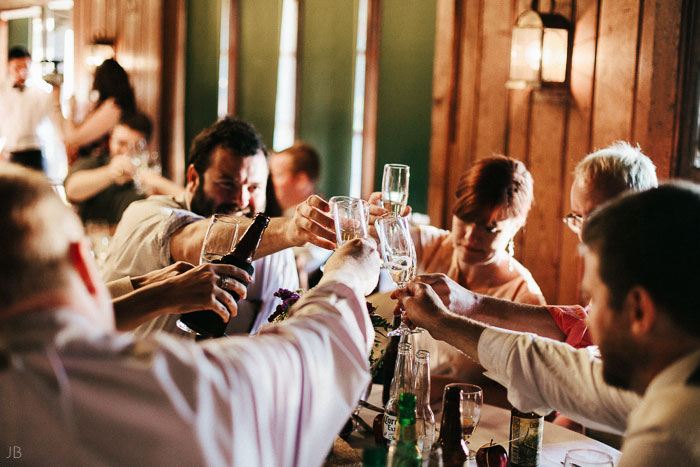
(540, 52)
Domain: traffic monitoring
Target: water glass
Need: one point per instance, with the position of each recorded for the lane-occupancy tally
(472, 401)
(587, 458)
(220, 238)
(351, 216)
(395, 187)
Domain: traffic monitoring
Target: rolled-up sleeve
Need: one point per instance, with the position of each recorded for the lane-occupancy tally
(572, 322)
(542, 375)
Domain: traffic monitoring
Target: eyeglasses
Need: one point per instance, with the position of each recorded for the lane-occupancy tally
(574, 222)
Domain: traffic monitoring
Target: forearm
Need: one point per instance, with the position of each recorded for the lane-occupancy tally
(276, 237)
(139, 306)
(460, 332)
(85, 184)
(515, 316)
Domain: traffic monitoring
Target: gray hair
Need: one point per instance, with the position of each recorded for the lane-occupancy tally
(617, 168)
(37, 231)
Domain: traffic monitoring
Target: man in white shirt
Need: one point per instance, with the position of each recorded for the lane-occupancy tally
(640, 256)
(74, 392)
(23, 109)
(227, 173)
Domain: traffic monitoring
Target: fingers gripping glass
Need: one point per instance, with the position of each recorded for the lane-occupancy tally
(399, 256)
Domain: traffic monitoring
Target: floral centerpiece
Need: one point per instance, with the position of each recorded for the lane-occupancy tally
(381, 325)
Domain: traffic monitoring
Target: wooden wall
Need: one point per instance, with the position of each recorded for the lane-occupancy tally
(624, 86)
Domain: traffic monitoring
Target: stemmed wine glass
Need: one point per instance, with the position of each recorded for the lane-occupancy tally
(399, 256)
(471, 401)
(395, 187)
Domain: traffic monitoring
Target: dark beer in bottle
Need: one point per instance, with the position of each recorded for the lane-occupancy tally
(454, 449)
(207, 323)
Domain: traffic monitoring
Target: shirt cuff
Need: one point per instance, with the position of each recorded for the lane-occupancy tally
(493, 349)
(572, 322)
(120, 287)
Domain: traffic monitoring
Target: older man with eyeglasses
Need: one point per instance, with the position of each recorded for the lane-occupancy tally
(599, 177)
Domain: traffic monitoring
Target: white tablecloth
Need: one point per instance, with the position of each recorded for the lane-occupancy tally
(495, 424)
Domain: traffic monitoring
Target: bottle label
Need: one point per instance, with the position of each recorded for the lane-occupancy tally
(526, 444)
(389, 426)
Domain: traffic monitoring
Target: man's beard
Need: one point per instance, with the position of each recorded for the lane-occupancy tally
(621, 359)
(204, 206)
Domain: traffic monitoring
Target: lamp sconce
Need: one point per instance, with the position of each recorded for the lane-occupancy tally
(101, 49)
(540, 53)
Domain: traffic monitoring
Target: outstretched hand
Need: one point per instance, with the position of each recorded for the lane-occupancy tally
(313, 223)
(422, 305)
(356, 263)
(456, 298)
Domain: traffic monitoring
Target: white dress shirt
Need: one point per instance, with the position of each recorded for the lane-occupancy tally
(72, 395)
(22, 112)
(141, 244)
(661, 428)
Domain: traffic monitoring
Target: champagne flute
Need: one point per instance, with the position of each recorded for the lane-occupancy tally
(395, 187)
(587, 458)
(471, 401)
(399, 256)
(219, 240)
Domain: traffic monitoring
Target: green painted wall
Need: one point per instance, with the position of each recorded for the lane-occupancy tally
(19, 32)
(407, 49)
(325, 96)
(202, 66)
(257, 64)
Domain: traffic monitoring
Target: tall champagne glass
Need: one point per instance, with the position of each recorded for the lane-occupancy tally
(395, 187)
(399, 255)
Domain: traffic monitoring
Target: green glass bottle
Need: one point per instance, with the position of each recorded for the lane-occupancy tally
(404, 451)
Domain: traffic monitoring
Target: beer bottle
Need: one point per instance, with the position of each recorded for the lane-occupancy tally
(404, 451)
(454, 449)
(389, 362)
(207, 323)
(425, 419)
(526, 438)
(403, 375)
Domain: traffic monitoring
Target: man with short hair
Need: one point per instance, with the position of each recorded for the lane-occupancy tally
(640, 256)
(24, 107)
(102, 186)
(295, 171)
(77, 393)
(227, 173)
(600, 176)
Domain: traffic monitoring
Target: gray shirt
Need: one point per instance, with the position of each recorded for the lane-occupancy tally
(141, 244)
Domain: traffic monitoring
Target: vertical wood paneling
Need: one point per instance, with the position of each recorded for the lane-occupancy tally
(4, 47)
(445, 70)
(369, 124)
(578, 139)
(624, 85)
(546, 139)
(615, 72)
(492, 109)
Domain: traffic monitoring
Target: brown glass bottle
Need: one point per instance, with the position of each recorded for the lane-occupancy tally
(454, 448)
(526, 438)
(207, 323)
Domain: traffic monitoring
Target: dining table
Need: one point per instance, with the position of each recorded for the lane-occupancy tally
(493, 425)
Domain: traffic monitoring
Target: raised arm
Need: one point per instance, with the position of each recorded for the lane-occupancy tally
(496, 312)
(84, 184)
(311, 223)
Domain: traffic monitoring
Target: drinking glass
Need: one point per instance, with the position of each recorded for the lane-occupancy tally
(395, 187)
(219, 240)
(471, 401)
(399, 256)
(587, 458)
(351, 216)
